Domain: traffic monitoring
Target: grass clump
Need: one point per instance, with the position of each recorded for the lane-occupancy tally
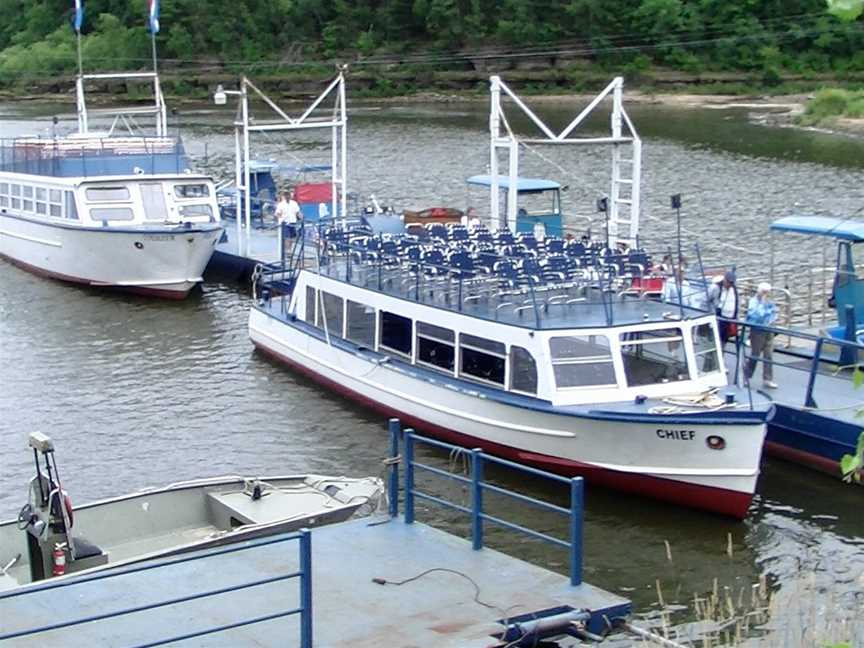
(830, 103)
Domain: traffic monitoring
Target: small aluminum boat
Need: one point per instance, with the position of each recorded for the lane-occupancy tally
(51, 539)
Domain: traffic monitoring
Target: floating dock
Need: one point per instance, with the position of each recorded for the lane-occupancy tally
(238, 261)
(438, 609)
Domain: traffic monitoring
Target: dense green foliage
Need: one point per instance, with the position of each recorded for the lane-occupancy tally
(833, 102)
(770, 37)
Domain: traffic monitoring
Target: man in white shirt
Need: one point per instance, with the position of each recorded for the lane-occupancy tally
(288, 214)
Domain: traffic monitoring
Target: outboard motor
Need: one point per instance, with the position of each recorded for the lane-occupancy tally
(47, 518)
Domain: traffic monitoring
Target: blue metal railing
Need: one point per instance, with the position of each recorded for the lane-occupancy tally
(304, 609)
(478, 486)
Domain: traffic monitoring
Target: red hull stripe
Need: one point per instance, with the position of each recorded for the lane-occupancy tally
(822, 464)
(716, 500)
(138, 290)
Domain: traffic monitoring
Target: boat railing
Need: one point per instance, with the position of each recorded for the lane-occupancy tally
(87, 156)
(478, 485)
(303, 609)
(497, 287)
(817, 356)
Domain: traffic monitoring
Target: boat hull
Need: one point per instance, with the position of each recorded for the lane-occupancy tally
(625, 455)
(811, 439)
(162, 262)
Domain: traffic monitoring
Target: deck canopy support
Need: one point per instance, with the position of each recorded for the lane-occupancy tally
(624, 197)
(336, 119)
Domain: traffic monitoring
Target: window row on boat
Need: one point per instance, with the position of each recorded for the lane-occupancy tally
(109, 202)
(564, 366)
(41, 200)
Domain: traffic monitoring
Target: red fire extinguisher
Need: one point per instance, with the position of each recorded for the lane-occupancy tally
(59, 559)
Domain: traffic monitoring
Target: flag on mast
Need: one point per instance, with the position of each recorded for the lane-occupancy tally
(79, 15)
(154, 16)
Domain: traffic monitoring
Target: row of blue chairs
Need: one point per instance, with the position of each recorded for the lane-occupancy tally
(515, 261)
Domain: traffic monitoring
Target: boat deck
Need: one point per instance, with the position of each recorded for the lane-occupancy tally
(834, 393)
(441, 608)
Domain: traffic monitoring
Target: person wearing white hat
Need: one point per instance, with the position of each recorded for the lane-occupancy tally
(761, 311)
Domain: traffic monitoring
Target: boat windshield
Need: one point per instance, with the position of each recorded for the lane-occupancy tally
(582, 361)
(654, 357)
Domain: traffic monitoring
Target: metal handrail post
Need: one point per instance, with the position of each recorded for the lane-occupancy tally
(409, 476)
(477, 499)
(811, 380)
(305, 589)
(577, 503)
(393, 469)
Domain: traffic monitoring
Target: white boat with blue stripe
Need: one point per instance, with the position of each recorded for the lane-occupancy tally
(108, 210)
(533, 349)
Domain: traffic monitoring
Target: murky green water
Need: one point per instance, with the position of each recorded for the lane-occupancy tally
(139, 392)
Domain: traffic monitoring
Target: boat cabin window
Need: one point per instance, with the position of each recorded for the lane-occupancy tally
(196, 211)
(100, 194)
(42, 201)
(436, 347)
(27, 194)
(55, 203)
(652, 357)
(191, 191)
(360, 327)
(71, 209)
(523, 370)
(482, 359)
(332, 316)
(582, 361)
(396, 333)
(705, 348)
(111, 214)
(16, 196)
(310, 306)
(4, 194)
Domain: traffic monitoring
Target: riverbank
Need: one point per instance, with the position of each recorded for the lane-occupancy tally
(780, 110)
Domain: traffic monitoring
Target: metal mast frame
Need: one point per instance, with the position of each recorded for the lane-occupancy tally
(156, 110)
(624, 191)
(337, 122)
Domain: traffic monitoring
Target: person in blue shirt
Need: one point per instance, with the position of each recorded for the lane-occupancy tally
(761, 311)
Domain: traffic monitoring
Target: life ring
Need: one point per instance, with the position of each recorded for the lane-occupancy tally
(65, 502)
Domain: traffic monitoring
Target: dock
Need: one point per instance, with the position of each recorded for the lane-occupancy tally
(229, 259)
(385, 580)
(349, 608)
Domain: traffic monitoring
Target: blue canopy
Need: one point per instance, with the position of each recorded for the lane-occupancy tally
(840, 228)
(523, 185)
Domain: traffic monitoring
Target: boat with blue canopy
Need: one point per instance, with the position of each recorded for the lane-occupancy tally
(817, 343)
(544, 212)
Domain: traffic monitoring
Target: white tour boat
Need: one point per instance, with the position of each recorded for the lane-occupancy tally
(100, 209)
(531, 349)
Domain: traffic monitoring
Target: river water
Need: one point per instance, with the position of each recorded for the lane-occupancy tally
(138, 392)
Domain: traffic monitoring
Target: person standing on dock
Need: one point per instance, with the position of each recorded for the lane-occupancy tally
(761, 311)
(724, 297)
(288, 214)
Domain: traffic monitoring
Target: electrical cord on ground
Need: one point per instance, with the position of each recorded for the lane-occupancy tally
(504, 613)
